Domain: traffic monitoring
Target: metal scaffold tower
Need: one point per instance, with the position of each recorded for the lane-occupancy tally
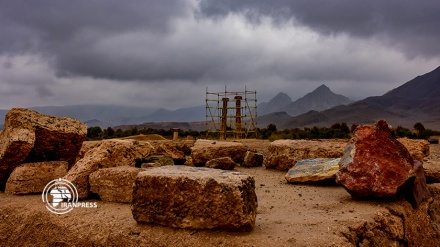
(231, 114)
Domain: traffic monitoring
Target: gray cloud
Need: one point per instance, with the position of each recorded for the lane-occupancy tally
(164, 52)
(411, 26)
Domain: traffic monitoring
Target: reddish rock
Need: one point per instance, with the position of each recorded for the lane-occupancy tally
(253, 159)
(224, 163)
(29, 178)
(195, 198)
(376, 165)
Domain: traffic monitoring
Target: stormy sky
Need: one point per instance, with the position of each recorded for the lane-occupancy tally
(164, 53)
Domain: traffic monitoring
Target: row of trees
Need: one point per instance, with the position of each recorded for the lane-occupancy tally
(337, 130)
(96, 133)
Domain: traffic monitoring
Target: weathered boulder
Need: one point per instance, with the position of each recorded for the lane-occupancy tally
(31, 178)
(171, 149)
(32, 137)
(205, 150)
(283, 154)
(56, 139)
(110, 153)
(376, 165)
(195, 198)
(253, 159)
(114, 184)
(418, 149)
(224, 163)
(313, 170)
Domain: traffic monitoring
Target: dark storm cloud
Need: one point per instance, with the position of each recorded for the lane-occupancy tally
(71, 33)
(165, 52)
(411, 26)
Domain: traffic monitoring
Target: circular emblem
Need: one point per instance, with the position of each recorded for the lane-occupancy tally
(59, 194)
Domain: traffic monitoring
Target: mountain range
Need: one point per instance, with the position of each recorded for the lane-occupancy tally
(418, 100)
(320, 99)
(115, 115)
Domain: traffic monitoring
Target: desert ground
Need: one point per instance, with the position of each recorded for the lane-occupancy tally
(288, 215)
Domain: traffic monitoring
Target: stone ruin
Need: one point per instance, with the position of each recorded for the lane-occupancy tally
(36, 148)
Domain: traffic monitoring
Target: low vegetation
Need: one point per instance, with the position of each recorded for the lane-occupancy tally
(337, 130)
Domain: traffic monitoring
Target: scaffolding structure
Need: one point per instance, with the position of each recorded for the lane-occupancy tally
(231, 114)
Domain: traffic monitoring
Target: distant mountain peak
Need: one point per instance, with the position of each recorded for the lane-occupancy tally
(275, 104)
(320, 99)
(281, 97)
(322, 88)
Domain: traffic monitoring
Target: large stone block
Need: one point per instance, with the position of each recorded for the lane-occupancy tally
(314, 171)
(376, 165)
(195, 198)
(205, 150)
(29, 178)
(110, 153)
(114, 184)
(28, 136)
(283, 154)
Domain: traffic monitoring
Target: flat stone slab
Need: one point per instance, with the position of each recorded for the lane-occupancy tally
(195, 198)
(29, 178)
(313, 170)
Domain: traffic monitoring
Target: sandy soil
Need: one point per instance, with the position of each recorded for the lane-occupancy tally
(288, 215)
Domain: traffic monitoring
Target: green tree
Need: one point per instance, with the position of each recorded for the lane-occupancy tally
(94, 132)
